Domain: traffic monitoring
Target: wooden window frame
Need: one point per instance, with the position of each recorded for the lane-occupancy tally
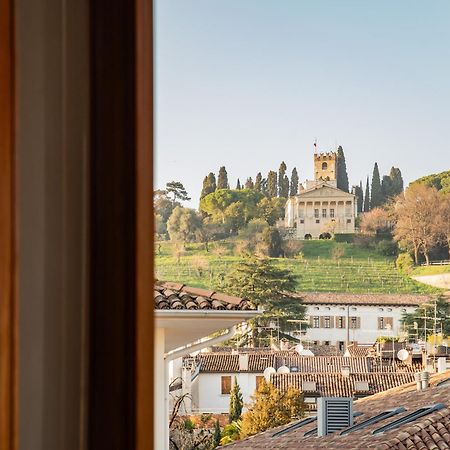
(121, 225)
(8, 251)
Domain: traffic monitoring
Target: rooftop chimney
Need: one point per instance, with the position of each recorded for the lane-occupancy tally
(422, 380)
(243, 362)
(345, 371)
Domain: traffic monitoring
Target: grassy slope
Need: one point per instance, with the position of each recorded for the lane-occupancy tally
(358, 271)
(430, 270)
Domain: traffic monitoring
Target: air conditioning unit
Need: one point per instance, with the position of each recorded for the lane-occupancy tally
(333, 414)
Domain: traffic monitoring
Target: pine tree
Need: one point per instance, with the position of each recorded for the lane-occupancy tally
(177, 190)
(222, 179)
(258, 181)
(249, 183)
(238, 185)
(294, 183)
(341, 168)
(272, 185)
(367, 197)
(281, 174)
(236, 402)
(376, 198)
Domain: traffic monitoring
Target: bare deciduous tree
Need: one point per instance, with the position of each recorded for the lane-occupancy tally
(417, 211)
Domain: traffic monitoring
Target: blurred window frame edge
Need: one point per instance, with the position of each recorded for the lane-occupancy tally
(139, 333)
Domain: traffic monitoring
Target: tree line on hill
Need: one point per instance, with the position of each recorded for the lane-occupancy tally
(418, 219)
(378, 191)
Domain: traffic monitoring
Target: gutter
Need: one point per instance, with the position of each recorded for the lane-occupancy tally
(209, 313)
(193, 347)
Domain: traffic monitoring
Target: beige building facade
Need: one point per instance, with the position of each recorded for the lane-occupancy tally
(320, 209)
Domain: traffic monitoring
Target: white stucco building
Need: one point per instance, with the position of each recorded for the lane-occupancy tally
(184, 318)
(320, 209)
(339, 318)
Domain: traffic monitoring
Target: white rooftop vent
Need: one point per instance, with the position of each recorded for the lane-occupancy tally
(243, 362)
(309, 386)
(333, 414)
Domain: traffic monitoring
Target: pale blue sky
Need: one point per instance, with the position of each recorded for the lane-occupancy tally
(248, 83)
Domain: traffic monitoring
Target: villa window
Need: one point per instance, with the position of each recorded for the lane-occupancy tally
(385, 323)
(327, 322)
(331, 212)
(316, 213)
(355, 322)
(341, 322)
(226, 385)
(324, 213)
(316, 322)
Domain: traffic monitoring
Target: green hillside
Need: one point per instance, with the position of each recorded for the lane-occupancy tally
(359, 270)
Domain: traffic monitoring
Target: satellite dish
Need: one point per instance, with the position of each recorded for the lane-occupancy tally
(299, 348)
(283, 369)
(403, 354)
(268, 372)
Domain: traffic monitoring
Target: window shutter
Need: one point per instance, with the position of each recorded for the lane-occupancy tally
(389, 321)
(331, 321)
(358, 322)
(379, 323)
(226, 384)
(322, 322)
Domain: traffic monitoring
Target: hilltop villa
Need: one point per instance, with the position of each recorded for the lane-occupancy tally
(320, 208)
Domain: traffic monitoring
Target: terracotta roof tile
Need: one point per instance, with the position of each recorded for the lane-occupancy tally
(176, 296)
(335, 298)
(428, 432)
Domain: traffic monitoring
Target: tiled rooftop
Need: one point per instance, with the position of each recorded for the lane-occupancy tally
(334, 298)
(335, 384)
(428, 432)
(258, 361)
(178, 296)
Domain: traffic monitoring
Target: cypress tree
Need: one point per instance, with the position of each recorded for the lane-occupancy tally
(236, 402)
(238, 185)
(264, 190)
(376, 198)
(294, 183)
(222, 179)
(209, 185)
(217, 434)
(212, 182)
(285, 187)
(258, 181)
(357, 190)
(204, 192)
(341, 168)
(387, 187)
(397, 180)
(272, 185)
(249, 183)
(281, 173)
(367, 197)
